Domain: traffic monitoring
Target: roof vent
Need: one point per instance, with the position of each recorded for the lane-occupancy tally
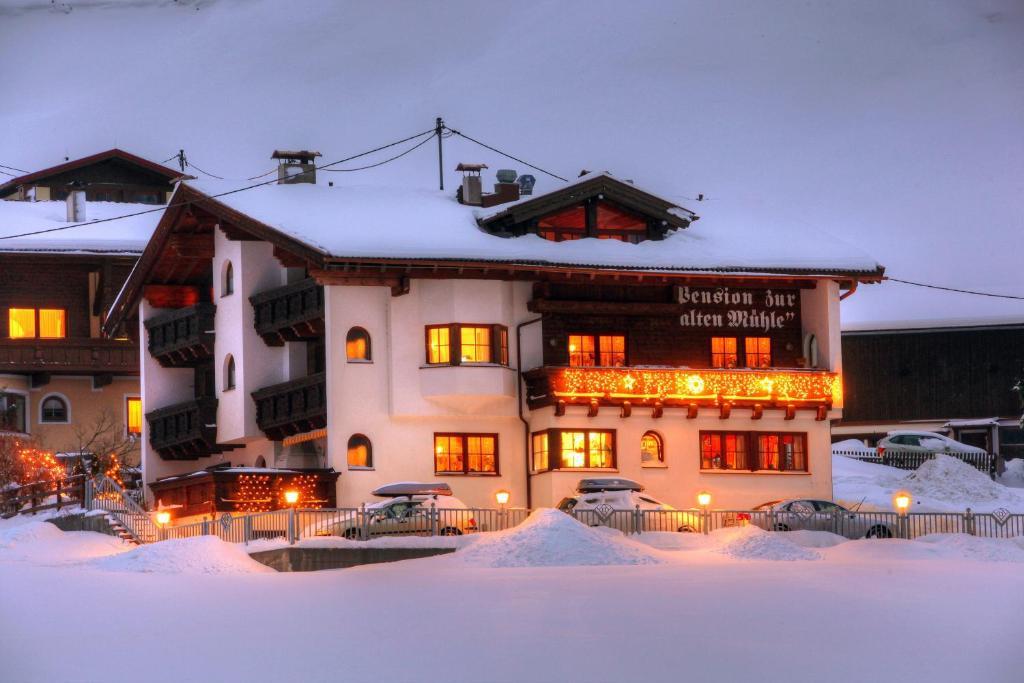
(295, 166)
(526, 183)
(505, 190)
(76, 206)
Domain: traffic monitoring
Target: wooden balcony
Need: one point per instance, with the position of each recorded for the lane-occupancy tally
(185, 431)
(657, 388)
(293, 312)
(227, 489)
(292, 407)
(183, 337)
(70, 356)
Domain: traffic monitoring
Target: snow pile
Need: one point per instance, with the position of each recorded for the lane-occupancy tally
(947, 478)
(854, 445)
(1014, 474)
(23, 539)
(977, 548)
(752, 543)
(199, 555)
(551, 538)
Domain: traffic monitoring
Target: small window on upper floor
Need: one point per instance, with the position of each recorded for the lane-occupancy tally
(229, 373)
(133, 409)
(604, 350)
(229, 279)
(604, 221)
(723, 352)
(466, 344)
(758, 352)
(360, 452)
(652, 450)
(29, 323)
(357, 345)
(53, 409)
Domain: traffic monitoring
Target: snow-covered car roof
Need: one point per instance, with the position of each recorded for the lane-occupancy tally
(412, 488)
(595, 484)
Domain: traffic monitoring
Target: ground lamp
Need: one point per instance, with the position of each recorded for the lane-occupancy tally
(291, 496)
(901, 501)
(704, 499)
(502, 497)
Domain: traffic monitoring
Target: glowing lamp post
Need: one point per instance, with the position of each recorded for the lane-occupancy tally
(704, 500)
(502, 497)
(291, 496)
(163, 518)
(901, 501)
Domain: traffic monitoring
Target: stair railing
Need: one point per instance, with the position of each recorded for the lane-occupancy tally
(103, 493)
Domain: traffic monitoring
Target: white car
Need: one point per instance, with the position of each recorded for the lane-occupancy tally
(907, 441)
(614, 502)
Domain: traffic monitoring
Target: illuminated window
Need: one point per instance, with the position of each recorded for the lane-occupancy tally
(229, 373)
(652, 450)
(357, 345)
(12, 413)
(134, 410)
(21, 323)
(53, 409)
(723, 352)
(465, 453)
(782, 452)
(758, 352)
(723, 451)
(438, 345)
(605, 221)
(586, 449)
(612, 350)
(540, 452)
(475, 344)
(606, 350)
(581, 351)
(229, 279)
(360, 452)
(51, 323)
(458, 344)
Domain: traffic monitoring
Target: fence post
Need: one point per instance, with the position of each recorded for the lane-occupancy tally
(291, 526)
(364, 531)
(969, 522)
(433, 519)
(206, 527)
(247, 529)
(638, 520)
(705, 519)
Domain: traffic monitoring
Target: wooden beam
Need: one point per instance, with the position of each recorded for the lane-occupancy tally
(191, 245)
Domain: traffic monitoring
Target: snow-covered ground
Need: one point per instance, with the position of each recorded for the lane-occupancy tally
(739, 603)
(944, 484)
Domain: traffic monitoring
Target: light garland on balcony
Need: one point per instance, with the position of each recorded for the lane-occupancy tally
(697, 385)
(263, 492)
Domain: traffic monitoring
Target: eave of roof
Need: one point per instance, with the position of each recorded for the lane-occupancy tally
(115, 153)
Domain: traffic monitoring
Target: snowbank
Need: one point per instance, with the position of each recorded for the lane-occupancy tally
(27, 539)
(977, 548)
(1014, 474)
(551, 538)
(199, 555)
(943, 484)
(852, 445)
(752, 543)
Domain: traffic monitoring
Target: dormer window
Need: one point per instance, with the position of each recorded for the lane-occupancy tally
(599, 219)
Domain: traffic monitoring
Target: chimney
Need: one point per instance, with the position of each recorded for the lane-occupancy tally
(295, 166)
(505, 190)
(76, 206)
(471, 189)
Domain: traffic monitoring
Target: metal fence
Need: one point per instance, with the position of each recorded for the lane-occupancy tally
(911, 460)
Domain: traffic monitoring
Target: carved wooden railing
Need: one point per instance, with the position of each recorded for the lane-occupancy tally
(293, 312)
(185, 431)
(292, 407)
(183, 337)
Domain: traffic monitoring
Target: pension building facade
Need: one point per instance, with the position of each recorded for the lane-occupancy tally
(516, 347)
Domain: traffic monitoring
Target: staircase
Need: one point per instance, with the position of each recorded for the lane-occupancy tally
(127, 518)
(120, 530)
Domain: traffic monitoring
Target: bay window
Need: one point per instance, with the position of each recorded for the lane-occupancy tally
(465, 453)
(573, 449)
(466, 344)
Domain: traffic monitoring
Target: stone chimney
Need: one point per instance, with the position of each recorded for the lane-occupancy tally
(471, 189)
(76, 206)
(295, 166)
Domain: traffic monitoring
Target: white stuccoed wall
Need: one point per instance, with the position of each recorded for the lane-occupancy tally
(820, 315)
(256, 364)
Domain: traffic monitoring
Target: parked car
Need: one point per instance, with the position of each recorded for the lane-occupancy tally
(818, 515)
(406, 511)
(610, 502)
(923, 442)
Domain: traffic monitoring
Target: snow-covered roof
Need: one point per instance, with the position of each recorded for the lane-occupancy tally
(127, 236)
(419, 224)
(934, 324)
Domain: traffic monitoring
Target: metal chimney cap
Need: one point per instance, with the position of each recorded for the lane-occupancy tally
(302, 155)
(470, 168)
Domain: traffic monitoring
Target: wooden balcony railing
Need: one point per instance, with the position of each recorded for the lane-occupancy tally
(292, 407)
(185, 431)
(69, 356)
(293, 312)
(657, 388)
(183, 337)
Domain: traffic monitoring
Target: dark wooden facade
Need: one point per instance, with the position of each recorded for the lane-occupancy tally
(182, 337)
(293, 312)
(186, 431)
(293, 407)
(932, 374)
(220, 489)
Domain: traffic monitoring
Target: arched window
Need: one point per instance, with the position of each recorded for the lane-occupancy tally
(652, 450)
(357, 345)
(229, 279)
(53, 409)
(261, 462)
(360, 452)
(229, 373)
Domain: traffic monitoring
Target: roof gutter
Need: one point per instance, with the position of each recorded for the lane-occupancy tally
(850, 291)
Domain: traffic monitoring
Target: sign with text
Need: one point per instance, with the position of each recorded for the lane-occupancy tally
(726, 308)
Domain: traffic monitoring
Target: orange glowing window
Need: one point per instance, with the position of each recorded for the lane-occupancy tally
(587, 449)
(52, 323)
(652, 450)
(723, 451)
(782, 452)
(540, 452)
(475, 344)
(21, 323)
(567, 224)
(360, 452)
(581, 351)
(758, 352)
(612, 350)
(133, 408)
(465, 453)
(723, 352)
(357, 345)
(438, 345)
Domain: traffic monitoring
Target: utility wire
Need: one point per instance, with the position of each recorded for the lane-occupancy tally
(12, 168)
(212, 175)
(506, 154)
(220, 194)
(381, 163)
(954, 289)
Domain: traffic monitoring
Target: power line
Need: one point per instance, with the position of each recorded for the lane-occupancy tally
(219, 194)
(12, 168)
(381, 163)
(506, 154)
(954, 289)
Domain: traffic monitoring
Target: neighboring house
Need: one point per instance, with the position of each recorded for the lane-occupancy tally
(394, 334)
(954, 377)
(111, 176)
(58, 374)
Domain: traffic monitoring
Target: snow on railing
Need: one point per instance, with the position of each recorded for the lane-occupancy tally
(103, 493)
